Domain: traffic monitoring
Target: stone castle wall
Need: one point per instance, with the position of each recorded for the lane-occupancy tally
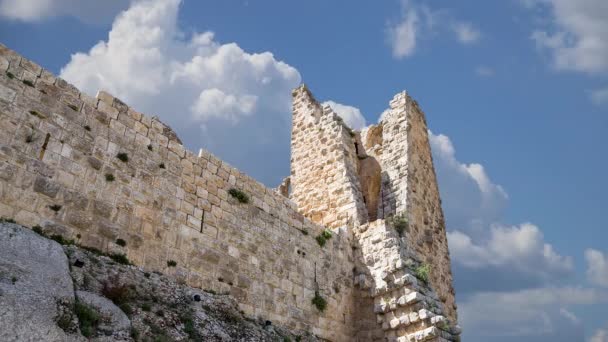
(324, 165)
(59, 146)
(409, 187)
(60, 169)
(345, 178)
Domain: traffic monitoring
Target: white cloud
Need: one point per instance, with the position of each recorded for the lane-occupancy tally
(466, 33)
(215, 103)
(577, 36)
(484, 71)
(599, 96)
(88, 11)
(600, 335)
(351, 115)
(521, 248)
(418, 21)
(524, 312)
(402, 36)
(241, 99)
(597, 267)
(487, 254)
(471, 200)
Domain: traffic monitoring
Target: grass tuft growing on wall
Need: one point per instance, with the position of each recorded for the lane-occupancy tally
(323, 237)
(319, 302)
(239, 195)
(123, 157)
(423, 272)
(399, 222)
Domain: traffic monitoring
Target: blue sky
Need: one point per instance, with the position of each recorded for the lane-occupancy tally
(515, 93)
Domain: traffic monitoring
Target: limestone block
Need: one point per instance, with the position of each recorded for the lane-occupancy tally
(46, 187)
(7, 94)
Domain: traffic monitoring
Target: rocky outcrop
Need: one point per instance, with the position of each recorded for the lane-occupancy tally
(50, 292)
(35, 284)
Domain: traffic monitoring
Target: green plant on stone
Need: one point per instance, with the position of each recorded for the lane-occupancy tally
(61, 240)
(134, 334)
(10, 75)
(319, 302)
(126, 308)
(323, 237)
(88, 318)
(109, 177)
(6, 220)
(28, 83)
(123, 157)
(399, 222)
(171, 263)
(239, 195)
(189, 327)
(121, 242)
(38, 230)
(423, 272)
(120, 258)
(64, 322)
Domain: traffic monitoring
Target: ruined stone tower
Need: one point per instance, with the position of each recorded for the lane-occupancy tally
(97, 171)
(380, 183)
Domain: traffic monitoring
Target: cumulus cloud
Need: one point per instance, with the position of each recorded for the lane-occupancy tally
(351, 115)
(520, 247)
(487, 254)
(471, 200)
(87, 11)
(597, 267)
(525, 312)
(599, 96)
(235, 103)
(466, 33)
(577, 35)
(601, 335)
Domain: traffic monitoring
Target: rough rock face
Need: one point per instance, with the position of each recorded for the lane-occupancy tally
(34, 282)
(46, 296)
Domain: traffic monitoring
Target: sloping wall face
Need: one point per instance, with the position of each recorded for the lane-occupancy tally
(324, 176)
(409, 187)
(95, 170)
(405, 305)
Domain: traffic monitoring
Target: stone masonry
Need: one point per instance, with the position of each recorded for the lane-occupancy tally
(97, 171)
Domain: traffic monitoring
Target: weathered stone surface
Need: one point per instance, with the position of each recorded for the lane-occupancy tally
(34, 278)
(46, 187)
(114, 322)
